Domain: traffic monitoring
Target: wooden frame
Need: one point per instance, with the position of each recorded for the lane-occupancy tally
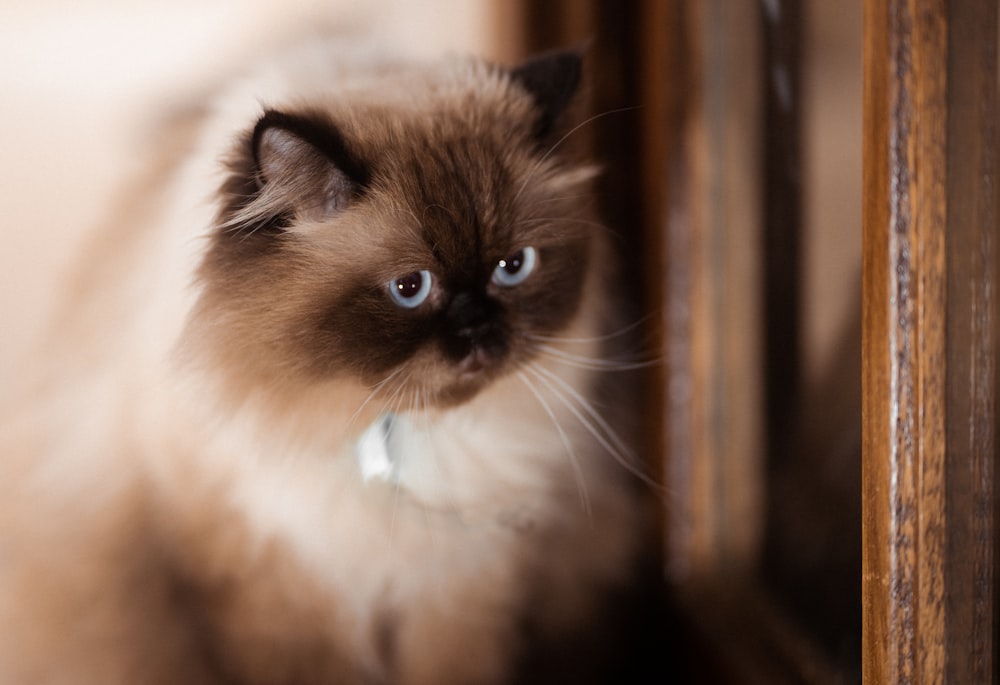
(691, 105)
(705, 193)
(930, 342)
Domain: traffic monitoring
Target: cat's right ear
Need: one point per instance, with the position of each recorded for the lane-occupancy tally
(552, 80)
(303, 166)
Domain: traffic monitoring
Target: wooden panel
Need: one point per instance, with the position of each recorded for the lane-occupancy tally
(675, 89)
(928, 312)
(782, 212)
(679, 88)
(904, 330)
(812, 547)
(971, 341)
(711, 296)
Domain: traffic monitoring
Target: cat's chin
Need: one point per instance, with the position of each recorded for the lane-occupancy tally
(462, 389)
(458, 393)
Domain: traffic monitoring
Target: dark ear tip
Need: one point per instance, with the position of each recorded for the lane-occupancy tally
(552, 79)
(554, 70)
(320, 133)
(270, 118)
(564, 57)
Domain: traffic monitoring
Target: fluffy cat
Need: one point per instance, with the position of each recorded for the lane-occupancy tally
(335, 423)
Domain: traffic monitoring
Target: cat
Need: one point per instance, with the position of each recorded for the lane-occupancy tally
(323, 407)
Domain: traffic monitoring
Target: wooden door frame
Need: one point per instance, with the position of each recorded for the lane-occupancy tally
(929, 314)
(930, 342)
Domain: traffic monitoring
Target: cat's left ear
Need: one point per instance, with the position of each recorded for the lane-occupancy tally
(552, 80)
(303, 163)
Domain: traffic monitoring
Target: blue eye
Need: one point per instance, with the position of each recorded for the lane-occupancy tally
(411, 290)
(514, 269)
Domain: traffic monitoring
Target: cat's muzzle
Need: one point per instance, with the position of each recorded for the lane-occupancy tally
(476, 338)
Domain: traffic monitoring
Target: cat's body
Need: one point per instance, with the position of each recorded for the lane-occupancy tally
(311, 429)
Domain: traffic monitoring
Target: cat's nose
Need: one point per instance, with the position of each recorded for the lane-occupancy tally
(470, 315)
(476, 336)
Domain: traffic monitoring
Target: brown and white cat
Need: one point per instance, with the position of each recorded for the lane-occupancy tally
(337, 425)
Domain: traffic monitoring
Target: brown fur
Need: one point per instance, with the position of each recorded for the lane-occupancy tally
(182, 496)
(315, 301)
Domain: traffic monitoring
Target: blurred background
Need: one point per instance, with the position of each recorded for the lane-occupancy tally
(733, 180)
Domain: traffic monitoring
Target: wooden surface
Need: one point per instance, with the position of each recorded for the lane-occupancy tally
(679, 87)
(686, 191)
(675, 87)
(972, 235)
(713, 297)
(929, 342)
(782, 189)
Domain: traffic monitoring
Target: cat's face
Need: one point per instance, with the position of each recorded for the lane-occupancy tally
(423, 243)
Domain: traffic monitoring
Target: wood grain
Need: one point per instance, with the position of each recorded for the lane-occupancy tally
(684, 188)
(929, 226)
(971, 340)
(675, 87)
(711, 298)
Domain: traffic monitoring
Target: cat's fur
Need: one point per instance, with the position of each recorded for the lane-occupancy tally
(181, 499)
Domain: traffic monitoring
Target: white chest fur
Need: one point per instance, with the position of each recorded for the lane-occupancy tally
(448, 524)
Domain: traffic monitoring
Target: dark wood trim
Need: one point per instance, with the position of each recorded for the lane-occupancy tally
(782, 173)
(929, 342)
(929, 320)
(684, 189)
(971, 307)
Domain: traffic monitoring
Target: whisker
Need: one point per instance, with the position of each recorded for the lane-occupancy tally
(444, 475)
(591, 363)
(522, 223)
(399, 466)
(537, 165)
(374, 391)
(588, 407)
(588, 339)
(581, 483)
(602, 431)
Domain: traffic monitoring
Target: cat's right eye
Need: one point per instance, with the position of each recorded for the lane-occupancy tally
(514, 269)
(411, 290)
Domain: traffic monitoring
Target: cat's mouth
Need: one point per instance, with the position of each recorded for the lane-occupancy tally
(464, 387)
(479, 363)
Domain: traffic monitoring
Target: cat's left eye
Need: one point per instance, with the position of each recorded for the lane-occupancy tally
(516, 268)
(411, 290)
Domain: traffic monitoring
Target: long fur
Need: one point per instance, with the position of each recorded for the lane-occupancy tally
(180, 494)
